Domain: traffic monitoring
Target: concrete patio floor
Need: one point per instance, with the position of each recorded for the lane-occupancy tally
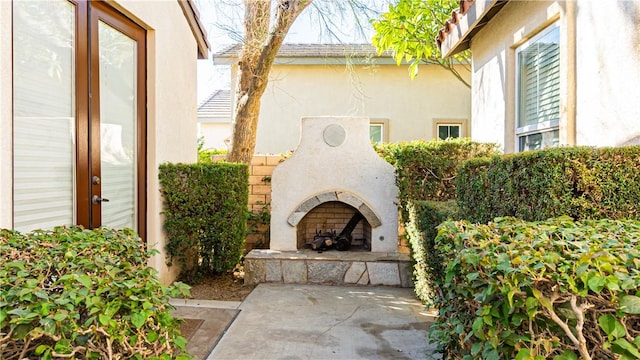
(287, 321)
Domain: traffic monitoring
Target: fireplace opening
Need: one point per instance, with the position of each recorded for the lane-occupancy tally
(329, 219)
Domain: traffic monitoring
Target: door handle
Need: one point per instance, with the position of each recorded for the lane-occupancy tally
(97, 199)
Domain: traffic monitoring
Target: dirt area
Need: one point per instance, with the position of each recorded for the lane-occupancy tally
(227, 287)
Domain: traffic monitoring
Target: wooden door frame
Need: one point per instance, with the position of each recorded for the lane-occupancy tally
(88, 110)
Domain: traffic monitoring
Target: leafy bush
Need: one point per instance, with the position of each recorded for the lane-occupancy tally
(424, 217)
(426, 170)
(73, 293)
(206, 215)
(204, 156)
(581, 182)
(555, 289)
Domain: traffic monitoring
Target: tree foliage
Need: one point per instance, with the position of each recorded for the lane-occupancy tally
(409, 29)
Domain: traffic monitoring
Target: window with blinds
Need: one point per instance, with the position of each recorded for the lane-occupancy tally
(538, 91)
(44, 114)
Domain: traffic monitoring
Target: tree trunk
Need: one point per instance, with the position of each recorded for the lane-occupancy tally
(256, 58)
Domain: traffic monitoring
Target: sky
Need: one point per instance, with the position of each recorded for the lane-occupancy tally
(220, 17)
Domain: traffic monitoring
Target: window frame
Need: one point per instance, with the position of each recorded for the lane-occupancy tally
(384, 124)
(461, 123)
(544, 126)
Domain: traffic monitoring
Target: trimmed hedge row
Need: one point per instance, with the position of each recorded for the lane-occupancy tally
(581, 182)
(421, 228)
(426, 170)
(555, 289)
(84, 294)
(206, 215)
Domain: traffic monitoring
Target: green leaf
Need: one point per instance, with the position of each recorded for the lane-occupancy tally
(611, 326)
(41, 349)
(630, 304)
(152, 336)
(596, 282)
(566, 355)
(622, 346)
(180, 342)
(104, 319)
(85, 280)
(523, 354)
(138, 319)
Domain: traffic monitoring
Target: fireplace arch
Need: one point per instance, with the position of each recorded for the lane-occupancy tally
(341, 196)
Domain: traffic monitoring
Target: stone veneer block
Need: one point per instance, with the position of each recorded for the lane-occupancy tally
(308, 205)
(354, 273)
(326, 197)
(364, 279)
(254, 271)
(274, 271)
(383, 273)
(294, 271)
(374, 221)
(323, 272)
(349, 199)
(406, 275)
(295, 218)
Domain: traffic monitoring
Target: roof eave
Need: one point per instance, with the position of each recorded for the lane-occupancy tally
(313, 60)
(193, 18)
(478, 15)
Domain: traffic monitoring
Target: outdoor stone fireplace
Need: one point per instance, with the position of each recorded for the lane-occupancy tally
(333, 175)
(334, 163)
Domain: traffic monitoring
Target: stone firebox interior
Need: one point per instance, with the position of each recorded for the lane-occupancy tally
(333, 216)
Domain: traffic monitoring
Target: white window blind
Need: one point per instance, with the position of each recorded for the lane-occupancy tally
(538, 91)
(539, 77)
(44, 114)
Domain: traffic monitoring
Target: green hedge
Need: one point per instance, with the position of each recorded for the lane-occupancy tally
(84, 294)
(555, 289)
(581, 182)
(205, 206)
(421, 227)
(426, 170)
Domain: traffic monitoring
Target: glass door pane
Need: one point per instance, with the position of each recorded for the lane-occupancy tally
(118, 121)
(44, 114)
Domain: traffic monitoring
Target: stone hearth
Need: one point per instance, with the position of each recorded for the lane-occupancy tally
(329, 267)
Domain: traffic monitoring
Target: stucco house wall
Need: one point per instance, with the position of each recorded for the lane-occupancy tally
(598, 69)
(376, 87)
(172, 52)
(607, 73)
(380, 92)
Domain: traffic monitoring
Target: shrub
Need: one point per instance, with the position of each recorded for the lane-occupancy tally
(206, 215)
(204, 156)
(581, 182)
(424, 217)
(426, 170)
(73, 293)
(555, 289)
